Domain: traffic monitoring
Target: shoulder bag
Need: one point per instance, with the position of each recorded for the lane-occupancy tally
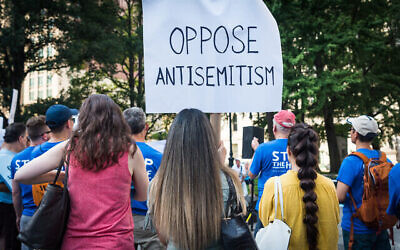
(277, 234)
(46, 228)
(235, 233)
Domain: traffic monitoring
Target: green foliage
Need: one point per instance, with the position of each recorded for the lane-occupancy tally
(340, 59)
(47, 35)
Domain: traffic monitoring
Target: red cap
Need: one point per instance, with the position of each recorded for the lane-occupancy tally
(285, 118)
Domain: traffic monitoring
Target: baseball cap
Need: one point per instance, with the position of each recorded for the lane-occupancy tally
(285, 118)
(59, 114)
(364, 125)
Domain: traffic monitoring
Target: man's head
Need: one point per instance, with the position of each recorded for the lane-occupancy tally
(283, 121)
(59, 118)
(136, 119)
(38, 131)
(363, 128)
(15, 134)
(237, 161)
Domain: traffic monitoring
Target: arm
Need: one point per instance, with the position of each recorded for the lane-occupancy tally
(16, 197)
(341, 191)
(139, 175)
(33, 171)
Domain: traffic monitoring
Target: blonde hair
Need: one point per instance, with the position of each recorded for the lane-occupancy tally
(186, 195)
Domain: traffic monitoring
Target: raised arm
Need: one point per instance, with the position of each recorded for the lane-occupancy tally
(139, 174)
(36, 171)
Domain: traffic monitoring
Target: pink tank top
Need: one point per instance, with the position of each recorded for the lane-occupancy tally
(100, 216)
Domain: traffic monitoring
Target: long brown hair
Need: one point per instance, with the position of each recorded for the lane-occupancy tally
(303, 143)
(102, 136)
(186, 196)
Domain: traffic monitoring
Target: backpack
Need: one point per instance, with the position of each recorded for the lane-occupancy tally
(375, 200)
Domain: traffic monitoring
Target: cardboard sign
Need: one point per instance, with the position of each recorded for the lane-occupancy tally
(214, 55)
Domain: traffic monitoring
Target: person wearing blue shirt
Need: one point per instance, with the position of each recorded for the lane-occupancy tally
(394, 191)
(14, 142)
(364, 130)
(59, 120)
(22, 194)
(136, 119)
(271, 159)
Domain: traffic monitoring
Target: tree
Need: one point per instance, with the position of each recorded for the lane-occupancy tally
(79, 31)
(327, 50)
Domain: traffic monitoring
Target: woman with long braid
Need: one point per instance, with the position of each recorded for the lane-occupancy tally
(311, 207)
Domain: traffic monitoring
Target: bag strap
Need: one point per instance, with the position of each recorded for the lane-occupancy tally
(60, 165)
(278, 193)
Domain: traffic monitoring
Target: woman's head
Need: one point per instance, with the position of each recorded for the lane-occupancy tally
(102, 135)
(186, 197)
(303, 148)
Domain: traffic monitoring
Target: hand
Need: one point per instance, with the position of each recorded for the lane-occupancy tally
(222, 151)
(18, 221)
(255, 143)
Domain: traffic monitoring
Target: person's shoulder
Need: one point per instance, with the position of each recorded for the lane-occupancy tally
(24, 153)
(266, 145)
(351, 158)
(146, 147)
(323, 180)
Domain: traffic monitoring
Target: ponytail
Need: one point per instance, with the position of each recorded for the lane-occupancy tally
(303, 143)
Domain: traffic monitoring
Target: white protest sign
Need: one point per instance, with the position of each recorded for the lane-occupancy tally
(13, 106)
(214, 55)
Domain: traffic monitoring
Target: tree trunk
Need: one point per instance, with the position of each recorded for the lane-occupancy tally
(334, 156)
(270, 126)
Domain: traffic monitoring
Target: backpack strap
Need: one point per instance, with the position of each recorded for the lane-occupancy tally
(366, 161)
(382, 156)
(351, 239)
(364, 158)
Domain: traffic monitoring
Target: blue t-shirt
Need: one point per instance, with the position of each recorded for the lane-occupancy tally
(18, 162)
(394, 189)
(42, 148)
(152, 159)
(351, 173)
(270, 159)
(5, 169)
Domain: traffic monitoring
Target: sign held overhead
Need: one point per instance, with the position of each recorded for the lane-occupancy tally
(217, 56)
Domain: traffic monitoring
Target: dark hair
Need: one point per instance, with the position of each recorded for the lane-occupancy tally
(102, 136)
(59, 128)
(13, 132)
(136, 119)
(303, 143)
(36, 126)
(366, 138)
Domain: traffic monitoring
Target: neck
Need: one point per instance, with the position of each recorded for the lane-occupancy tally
(13, 147)
(62, 136)
(138, 137)
(280, 136)
(365, 145)
(295, 167)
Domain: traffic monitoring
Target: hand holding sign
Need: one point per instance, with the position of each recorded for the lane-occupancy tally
(217, 56)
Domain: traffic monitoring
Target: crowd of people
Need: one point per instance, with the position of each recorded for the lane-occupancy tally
(124, 194)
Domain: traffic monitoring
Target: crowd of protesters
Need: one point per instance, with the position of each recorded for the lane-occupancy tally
(124, 194)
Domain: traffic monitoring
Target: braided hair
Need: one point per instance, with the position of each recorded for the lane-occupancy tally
(303, 143)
